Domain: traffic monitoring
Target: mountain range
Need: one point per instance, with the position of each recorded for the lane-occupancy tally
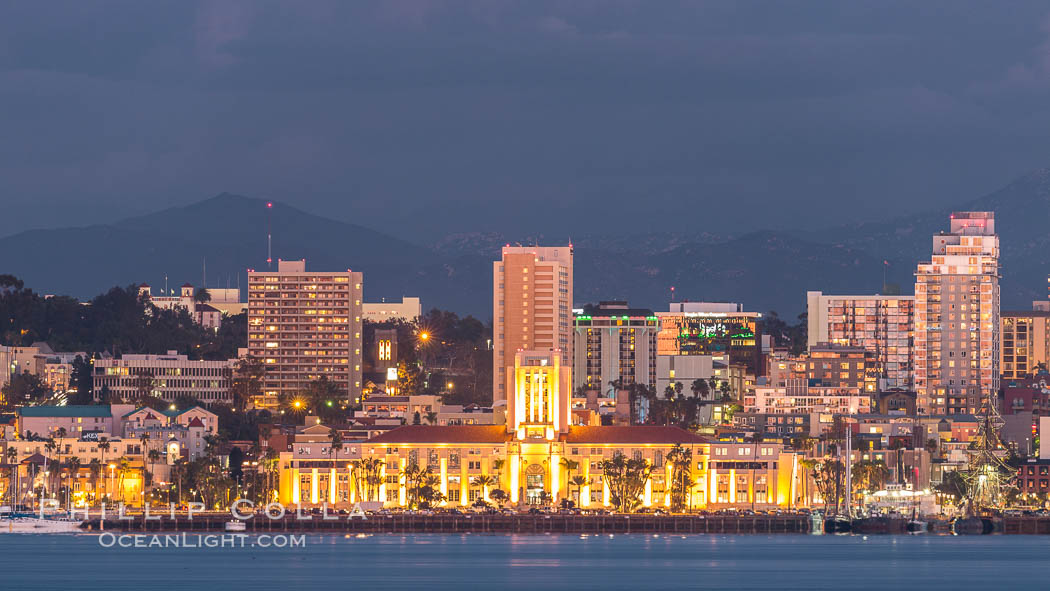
(765, 270)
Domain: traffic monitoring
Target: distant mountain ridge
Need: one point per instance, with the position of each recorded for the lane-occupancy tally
(765, 270)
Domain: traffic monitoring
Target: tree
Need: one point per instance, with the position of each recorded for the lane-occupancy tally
(700, 388)
(248, 376)
(432, 417)
(569, 466)
(103, 447)
(372, 469)
(869, 476)
(73, 464)
(96, 471)
(202, 296)
(336, 445)
(325, 398)
(24, 389)
(626, 481)
(144, 384)
(499, 497)
(484, 481)
(579, 481)
(82, 380)
(681, 485)
(953, 484)
(12, 461)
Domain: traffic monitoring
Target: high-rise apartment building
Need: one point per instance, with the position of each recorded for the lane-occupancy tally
(613, 342)
(882, 324)
(957, 317)
(168, 377)
(531, 310)
(1025, 345)
(304, 325)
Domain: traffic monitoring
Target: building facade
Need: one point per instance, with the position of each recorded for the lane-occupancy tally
(1025, 344)
(882, 324)
(613, 343)
(957, 318)
(164, 376)
(716, 329)
(531, 310)
(304, 325)
(407, 310)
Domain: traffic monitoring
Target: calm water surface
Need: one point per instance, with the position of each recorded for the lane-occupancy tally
(423, 562)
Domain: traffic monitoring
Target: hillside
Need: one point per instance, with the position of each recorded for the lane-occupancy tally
(764, 270)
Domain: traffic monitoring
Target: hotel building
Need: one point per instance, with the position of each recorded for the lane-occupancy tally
(164, 376)
(716, 329)
(612, 342)
(304, 325)
(957, 318)
(531, 309)
(882, 324)
(407, 310)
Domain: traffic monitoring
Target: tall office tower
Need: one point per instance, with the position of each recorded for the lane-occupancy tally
(531, 310)
(305, 325)
(957, 318)
(882, 324)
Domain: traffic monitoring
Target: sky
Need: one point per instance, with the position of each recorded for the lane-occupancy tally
(428, 117)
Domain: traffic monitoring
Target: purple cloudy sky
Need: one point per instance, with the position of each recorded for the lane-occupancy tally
(704, 114)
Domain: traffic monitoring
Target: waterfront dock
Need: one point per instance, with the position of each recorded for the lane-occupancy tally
(453, 524)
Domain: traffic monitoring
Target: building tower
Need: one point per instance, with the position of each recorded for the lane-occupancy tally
(532, 314)
(957, 318)
(304, 325)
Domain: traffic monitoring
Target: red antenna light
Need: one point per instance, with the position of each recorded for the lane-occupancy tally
(269, 204)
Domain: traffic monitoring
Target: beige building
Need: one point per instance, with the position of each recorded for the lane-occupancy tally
(882, 324)
(407, 310)
(957, 318)
(165, 376)
(532, 311)
(613, 342)
(304, 325)
(1025, 343)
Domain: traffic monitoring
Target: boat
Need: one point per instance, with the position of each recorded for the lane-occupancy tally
(234, 525)
(29, 523)
(916, 526)
(838, 524)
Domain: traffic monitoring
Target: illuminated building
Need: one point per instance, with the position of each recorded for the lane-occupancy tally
(531, 309)
(882, 324)
(164, 376)
(800, 397)
(304, 325)
(612, 342)
(957, 318)
(1025, 343)
(716, 329)
(827, 365)
(539, 456)
(407, 310)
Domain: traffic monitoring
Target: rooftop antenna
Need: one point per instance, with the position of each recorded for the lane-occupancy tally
(204, 273)
(269, 235)
(165, 284)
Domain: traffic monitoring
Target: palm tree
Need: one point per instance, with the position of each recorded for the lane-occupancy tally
(432, 417)
(123, 467)
(103, 447)
(578, 481)
(569, 466)
(497, 467)
(96, 470)
(73, 464)
(373, 475)
(49, 447)
(484, 481)
(700, 388)
(203, 296)
(12, 456)
(154, 456)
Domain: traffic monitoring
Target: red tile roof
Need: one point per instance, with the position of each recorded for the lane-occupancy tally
(634, 434)
(195, 422)
(444, 434)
